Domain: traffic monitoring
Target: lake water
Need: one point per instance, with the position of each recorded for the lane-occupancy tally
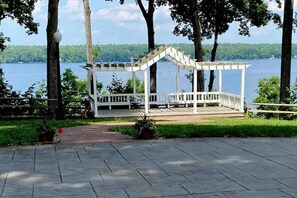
(21, 76)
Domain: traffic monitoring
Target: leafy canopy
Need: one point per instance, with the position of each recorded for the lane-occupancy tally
(217, 15)
(21, 11)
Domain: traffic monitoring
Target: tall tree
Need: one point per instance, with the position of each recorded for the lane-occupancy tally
(52, 55)
(187, 15)
(88, 29)
(89, 45)
(148, 14)
(21, 11)
(286, 51)
(217, 15)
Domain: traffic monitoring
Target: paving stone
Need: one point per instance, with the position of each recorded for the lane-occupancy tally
(120, 179)
(205, 177)
(156, 180)
(213, 186)
(290, 191)
(258, 194)
(63, 190)
(17, 189)
(260, 184)
(289, 181)
(157, 191)
(118, 193)
(210, 195)
(258, 171)
(174, 168)
(46, 165)
(32, 177)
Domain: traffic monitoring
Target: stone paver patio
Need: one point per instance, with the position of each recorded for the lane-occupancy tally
(169, 168)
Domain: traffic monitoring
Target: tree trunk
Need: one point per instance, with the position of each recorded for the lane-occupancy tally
(89, 44)
(213, 58)
(286, 51)
(198, 47)
(149, 18)
(151, 46)
(52, 56)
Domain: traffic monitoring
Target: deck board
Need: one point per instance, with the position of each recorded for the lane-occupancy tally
(166, 112)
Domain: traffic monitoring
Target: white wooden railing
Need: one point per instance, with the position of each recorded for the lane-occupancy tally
(184, 98)
(232, 101)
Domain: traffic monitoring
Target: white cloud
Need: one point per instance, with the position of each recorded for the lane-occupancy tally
(273, 6)
(169, 26)
(40, 10)
(38, 7)
(162, 12)
(73, 9)
(119, 14)
(95, 32)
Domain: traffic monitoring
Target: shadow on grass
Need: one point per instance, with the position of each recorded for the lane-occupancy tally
(201, 131)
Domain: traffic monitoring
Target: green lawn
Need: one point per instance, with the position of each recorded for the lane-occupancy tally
(222, 127)
(23, 132)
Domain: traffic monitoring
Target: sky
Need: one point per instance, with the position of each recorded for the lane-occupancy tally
(113, 23)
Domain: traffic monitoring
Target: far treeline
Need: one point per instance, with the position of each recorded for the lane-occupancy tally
(124, 52)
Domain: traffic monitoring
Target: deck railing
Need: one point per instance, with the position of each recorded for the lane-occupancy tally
(169, 99)
(232, 101)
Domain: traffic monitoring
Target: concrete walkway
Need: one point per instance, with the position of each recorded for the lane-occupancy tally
(180, 168)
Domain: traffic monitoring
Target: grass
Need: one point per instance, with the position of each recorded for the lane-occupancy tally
(23, 132)
(222, 127)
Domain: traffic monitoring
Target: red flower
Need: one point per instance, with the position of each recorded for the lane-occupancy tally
(60, 130)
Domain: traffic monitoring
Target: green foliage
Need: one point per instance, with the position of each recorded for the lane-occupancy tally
(46, 126)
(139, 86)
(96, 51)
(21, 11)
(23, 132)
(228, 127)
(118, 86)
(123, 53)
(41, 91)
(145, 127)
(268, 90)
(6, 91)
(74, 91)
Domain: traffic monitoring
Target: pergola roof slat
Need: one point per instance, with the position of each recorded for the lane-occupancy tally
(170, 53)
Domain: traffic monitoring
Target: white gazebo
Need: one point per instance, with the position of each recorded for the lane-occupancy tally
(189, 100)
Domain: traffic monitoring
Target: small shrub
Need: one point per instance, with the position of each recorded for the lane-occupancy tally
(146, 128)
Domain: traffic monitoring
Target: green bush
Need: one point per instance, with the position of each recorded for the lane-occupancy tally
(269, 92)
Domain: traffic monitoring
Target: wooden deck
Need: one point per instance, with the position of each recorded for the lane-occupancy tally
(168, 112)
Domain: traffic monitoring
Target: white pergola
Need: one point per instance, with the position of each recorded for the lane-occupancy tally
(181, 61)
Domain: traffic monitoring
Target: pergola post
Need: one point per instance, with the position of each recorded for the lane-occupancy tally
(134, 83)
(220, 86)
(195, 91)
(95, 94)
(146, 96)
(177, 82)
(90, 88)
(242, 90)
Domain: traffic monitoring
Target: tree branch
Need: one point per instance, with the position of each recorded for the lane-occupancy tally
(144, 13)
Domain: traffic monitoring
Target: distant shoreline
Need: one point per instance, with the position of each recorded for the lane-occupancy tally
(124, 53)
(236, 60)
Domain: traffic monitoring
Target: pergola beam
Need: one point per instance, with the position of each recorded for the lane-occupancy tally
(146, 95)
(242, 90)
(195, 91)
